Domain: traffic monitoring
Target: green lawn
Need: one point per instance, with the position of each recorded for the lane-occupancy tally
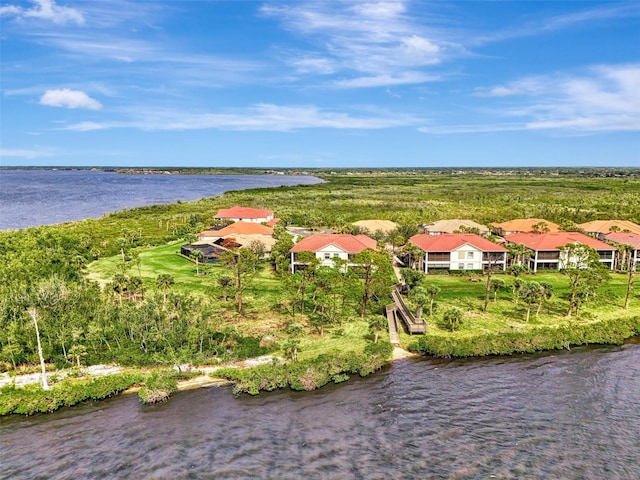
(352, 335)
(155, 261)
(505, 315)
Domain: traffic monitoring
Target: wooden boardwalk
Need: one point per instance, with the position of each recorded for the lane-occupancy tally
(393, 326)
(399, 310)
(414, 325)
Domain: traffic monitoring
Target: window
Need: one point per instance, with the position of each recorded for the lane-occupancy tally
(469, 266)
(327, 256)
(460, 255)
(336, 255)
(469, 254)
(461, 266)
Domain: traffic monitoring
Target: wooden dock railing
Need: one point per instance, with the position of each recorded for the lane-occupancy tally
(414, 325)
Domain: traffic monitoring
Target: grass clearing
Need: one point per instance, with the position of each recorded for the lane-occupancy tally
(507, 317)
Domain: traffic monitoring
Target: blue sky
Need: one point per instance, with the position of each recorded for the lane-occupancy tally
(320, 83)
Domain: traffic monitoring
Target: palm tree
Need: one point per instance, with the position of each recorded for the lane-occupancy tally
(420, 296)
(497, 284)
(376, 324)
(532, 294)
(630, 282)
(433, 291)
(164, 282)
(453, 317)
(547, 293)
(519, 254)
(197, 255)
(119, 284)
(518, 283)
(540, 227)
(122, 243)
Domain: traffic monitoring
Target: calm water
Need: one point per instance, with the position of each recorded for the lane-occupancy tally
(42, 197)
(561, 415)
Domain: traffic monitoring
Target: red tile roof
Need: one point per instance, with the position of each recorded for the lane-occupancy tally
(245, 228)
(451, 241)
(632, 239)
(242, 212)
(525, 225)
(346, 242)
(552, 241)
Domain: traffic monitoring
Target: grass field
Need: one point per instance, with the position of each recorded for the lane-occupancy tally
(264, 313)
(505, 315)
(155, 261)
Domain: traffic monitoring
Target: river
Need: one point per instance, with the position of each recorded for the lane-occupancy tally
(35, 197)
(553, 415)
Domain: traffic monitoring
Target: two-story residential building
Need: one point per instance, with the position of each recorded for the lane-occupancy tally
(546, 248)
(245, 214)
(626, 259)
(459, 251)
(327, 246)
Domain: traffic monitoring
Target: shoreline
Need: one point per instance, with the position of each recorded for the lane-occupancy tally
(31, 403)
(201, 381)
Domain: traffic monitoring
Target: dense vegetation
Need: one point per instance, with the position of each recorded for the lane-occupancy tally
(115, 289)
(70, 391)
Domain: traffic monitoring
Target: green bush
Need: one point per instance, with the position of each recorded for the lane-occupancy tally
(568, 334)
(308, 374)
(32, 399)
(159, 386)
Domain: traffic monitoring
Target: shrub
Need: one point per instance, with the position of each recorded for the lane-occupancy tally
(308, 374)
(32, 399)
(158, 387)
(612, 332)
(453, 318)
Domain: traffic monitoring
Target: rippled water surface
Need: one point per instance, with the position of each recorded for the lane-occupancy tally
(561, 415)
(42, 197)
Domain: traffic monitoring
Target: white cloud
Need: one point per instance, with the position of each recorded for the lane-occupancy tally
(403, 78)
(45, 10)
(311, 64)
(260, 117)
(499, 91)
(603, 98)
(24, 153)
(606, 98)
(471, 128)
(524, 86)
(380, 9)
(370, 41)
(546, 24)
(69, 99)
(89, 126)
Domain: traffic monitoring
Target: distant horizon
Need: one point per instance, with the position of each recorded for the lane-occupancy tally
(382, 167)
(320, 83)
